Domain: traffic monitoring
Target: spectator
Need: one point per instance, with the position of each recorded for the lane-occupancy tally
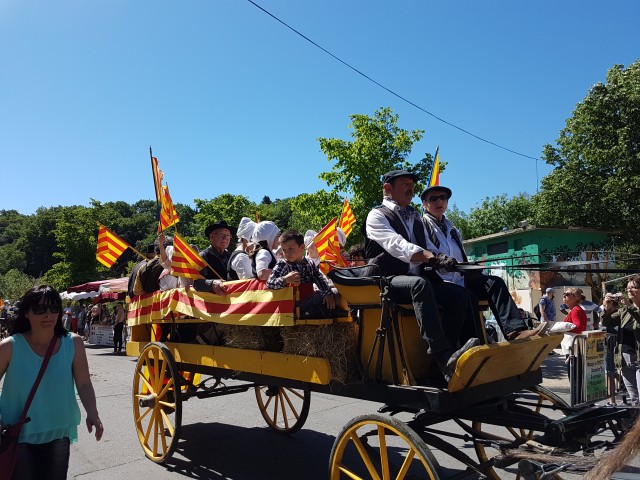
(547, 308)
(44, 443)
(572, 297)
(120, 323)
(627, 319)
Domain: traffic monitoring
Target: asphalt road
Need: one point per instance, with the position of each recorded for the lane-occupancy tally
(226, 437)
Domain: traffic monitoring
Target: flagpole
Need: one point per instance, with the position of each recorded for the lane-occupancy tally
(342, 212)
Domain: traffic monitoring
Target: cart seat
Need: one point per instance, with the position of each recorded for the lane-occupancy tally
(352, 277)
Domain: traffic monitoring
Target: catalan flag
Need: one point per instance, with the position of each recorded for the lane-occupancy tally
(110, 246)
(435, 171)
(157, 178)
(326, 242)
(186, 262)
(347, 220)
(168, 213)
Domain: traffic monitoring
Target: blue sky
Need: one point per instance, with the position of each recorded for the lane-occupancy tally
(233, 101)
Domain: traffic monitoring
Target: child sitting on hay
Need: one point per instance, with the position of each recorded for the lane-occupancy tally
(296, 270)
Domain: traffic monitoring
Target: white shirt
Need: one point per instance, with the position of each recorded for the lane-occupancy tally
(380, 231)
(166, 280)
(263, 257)
(242, 265)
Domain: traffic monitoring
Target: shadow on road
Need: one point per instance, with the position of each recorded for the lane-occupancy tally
(217, 450)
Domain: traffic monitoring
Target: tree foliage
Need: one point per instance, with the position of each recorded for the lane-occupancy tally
(378, 146)
(596, 180)
(496, 214)
(312, 211)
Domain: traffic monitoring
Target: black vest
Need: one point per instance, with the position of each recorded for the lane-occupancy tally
(218, 262)
(387, 264)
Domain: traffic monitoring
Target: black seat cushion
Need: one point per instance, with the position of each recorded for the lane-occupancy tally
(353, 277)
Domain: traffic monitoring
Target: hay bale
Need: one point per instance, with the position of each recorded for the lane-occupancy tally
(253, 338)
(336, 343)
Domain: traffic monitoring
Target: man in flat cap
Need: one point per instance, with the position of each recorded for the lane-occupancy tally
(396, 245)
(217, 256)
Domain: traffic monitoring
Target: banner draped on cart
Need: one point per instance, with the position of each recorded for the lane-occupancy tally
(247, 302)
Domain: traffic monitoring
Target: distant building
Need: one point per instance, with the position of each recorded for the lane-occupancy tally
(532, 244)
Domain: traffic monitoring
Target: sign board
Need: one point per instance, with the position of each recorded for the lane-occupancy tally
(588, 378)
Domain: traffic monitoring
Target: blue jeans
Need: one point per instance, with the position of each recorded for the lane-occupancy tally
(42, 461)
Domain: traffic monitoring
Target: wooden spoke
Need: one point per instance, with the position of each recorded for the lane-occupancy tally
(546, 403)
(392, 451)
(157, 405)
(284, 409)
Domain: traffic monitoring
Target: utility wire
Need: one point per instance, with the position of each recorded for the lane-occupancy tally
(389, 90)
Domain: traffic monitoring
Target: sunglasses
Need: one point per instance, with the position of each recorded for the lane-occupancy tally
(41, 308)
(567, 294)
(434, 198)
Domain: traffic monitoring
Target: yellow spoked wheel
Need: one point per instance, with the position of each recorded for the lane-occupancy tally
(284, 409)
(539, 400)
(382, 448)
(157, 409)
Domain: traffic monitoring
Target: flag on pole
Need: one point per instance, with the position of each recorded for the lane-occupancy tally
(326, 242)
(347, 220)
(158, 176)
(257, 216)
(186, 262)
(110, 246)
(168, 213)
(435, 171)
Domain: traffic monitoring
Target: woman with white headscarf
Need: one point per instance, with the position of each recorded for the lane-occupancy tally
(266, 236)
(239, 265)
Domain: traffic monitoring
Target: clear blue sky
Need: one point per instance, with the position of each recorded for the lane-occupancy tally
(233, 101)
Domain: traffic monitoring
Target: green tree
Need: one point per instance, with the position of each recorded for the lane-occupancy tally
(378, 146)
(228, 207)
(15, 283)
(496, 214)
(596, 180)
(312, 211)
(11, 257)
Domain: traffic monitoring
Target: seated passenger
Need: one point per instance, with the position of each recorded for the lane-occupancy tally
(217, 256)
(356, 256)
(166, 280)
(445, 240)
(266, 237)
(239, 266)
(396, 246)
(312, 252)
(296, 270)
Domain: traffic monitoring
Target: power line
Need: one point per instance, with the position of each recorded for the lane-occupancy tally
(388, 89)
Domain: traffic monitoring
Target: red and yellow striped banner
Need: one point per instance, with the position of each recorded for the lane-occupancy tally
(328, 247)
(247, 302)
(110, 246)
(348, 219)
(168, 213)
(157, 178)
(186, 262)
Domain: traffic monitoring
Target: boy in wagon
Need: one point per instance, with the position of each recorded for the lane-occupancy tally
(296, 270)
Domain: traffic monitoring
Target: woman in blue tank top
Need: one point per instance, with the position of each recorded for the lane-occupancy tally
(43, 449)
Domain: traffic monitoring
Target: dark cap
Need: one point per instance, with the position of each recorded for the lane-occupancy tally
(387, 177)
(433, 188)
(219, 224)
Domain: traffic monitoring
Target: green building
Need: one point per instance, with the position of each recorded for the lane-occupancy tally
(532, 244)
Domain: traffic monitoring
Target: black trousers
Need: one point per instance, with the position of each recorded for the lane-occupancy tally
(442, 333)
(117, 336)
(495, 291)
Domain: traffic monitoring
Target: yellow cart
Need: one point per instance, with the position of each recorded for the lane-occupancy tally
(494, 385)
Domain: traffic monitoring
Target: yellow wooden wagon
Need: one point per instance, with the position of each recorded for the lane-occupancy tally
(179, 339)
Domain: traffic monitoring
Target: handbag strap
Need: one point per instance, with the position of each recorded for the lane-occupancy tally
(32, 394)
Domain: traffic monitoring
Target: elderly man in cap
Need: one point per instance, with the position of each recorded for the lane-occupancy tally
(396, 246)
(217, 256)
(446, 241)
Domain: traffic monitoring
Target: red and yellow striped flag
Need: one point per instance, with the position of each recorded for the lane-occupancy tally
(110, 246)
(157, 178)
(434, 180)
(326, 242)
(347, 220)
(168, 213)
(186, 262)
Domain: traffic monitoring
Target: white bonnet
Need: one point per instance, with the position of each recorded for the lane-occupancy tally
(308, 237)
(342, 238)
(246, 228)
(266, 230)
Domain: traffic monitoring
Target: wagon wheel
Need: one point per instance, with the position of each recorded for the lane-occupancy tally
(284, 409)
(379, 447)
(157, 410)
(543, 398)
